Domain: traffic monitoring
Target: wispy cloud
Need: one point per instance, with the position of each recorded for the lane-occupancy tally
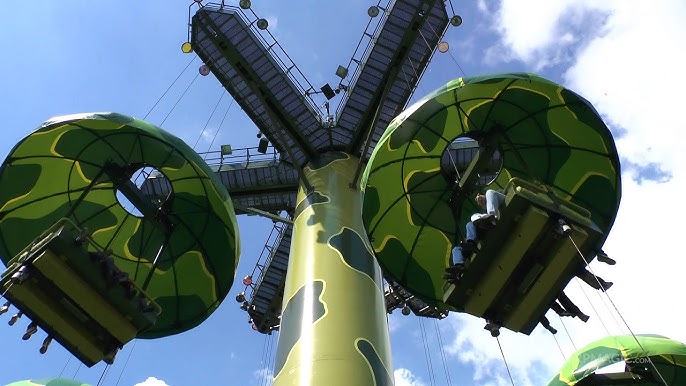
(474, 347)
(152, 381)
(273, 22)
(632, 75)
(264, 375)
(540, 32)
(404, 377)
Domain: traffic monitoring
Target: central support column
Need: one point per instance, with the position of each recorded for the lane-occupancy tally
(334, 329)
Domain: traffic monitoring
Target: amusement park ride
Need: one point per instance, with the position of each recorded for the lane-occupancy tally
(368, 204)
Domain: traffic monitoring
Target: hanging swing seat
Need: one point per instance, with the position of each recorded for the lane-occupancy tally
(75, 293)
(526, 260)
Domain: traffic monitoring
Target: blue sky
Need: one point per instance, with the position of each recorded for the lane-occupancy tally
(625, 57)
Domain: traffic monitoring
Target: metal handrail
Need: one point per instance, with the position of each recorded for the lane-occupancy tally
(277, 52)
(365, 54)
(245, 156)
(265, 258)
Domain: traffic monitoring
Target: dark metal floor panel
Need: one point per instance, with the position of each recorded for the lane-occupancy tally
(266, 297)
(258, 80)
(405, 42)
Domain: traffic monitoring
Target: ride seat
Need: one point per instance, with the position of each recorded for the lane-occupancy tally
(526, 260)
(77, 296)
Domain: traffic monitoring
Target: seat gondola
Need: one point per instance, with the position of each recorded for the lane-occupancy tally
(526, 261)
(70, 291)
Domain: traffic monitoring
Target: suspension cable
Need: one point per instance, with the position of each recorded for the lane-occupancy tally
(169, 88)
(126, 362)
(208, 120)
(221, 123)
(451, 7)
(443, 358)
(457, 64)
(602, 288)
(65, 366)
(409, 86)
(271, 359)
(592, 306)
(619, 313)
(609, 311)
(8, 288)
(263, 380)
(428, 46)
(427, 353)
(452, 160)
(179, 100)
(267, 360)
(102, 376)
(564, 357)
(449, 53)
(416, 75)
(568, 334)
(450, 154)
(414, 69)
(77, 371)
(504, 360)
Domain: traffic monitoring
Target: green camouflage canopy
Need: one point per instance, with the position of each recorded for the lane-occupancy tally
(48, 382)
(81, 166)
(667, 357)
(544, 134)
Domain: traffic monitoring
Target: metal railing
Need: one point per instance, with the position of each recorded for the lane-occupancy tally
(281, 58)
(247, 296)
(241, 156)
(359, 58)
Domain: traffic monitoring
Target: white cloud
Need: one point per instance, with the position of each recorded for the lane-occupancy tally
(523, 31)
(482, 6)
(632, 74)
(264, 374)
(534, 359)
(542, 33)
(404, 377)
(207, 134)
(473, 346)
(152, 381)
(273, 22)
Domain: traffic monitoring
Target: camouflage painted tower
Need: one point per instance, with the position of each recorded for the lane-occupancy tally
(330, 305)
